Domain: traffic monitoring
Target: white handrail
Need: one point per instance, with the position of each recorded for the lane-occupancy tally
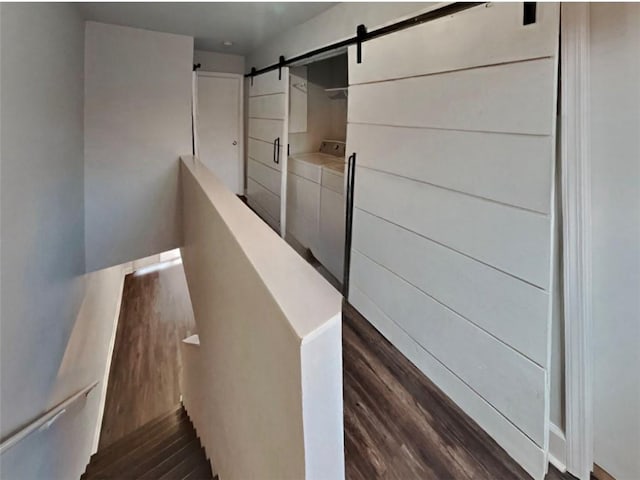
(45, 421)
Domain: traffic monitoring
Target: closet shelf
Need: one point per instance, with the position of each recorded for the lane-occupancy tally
(335, 93)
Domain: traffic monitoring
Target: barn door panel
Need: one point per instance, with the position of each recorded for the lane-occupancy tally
(453, 124)
(267, 146)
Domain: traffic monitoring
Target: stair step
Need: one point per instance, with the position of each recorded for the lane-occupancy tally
(145, 431)
(185, 466)
(201, 472)
(170, 462)
(166, 448)
(177, 412)
(139, 446)
(137, 453)
(158, 455)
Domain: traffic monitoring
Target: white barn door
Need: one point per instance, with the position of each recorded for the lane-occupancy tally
(453, 126)
(267, 147)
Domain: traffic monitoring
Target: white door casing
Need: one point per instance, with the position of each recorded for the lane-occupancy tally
(219, 126)
(453, 219)
(576, 215)
(267, 146)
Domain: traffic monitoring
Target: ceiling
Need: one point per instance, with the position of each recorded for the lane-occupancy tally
(247, 25)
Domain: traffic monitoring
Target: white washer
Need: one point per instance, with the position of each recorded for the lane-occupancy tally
(331, 222)
(305, 188)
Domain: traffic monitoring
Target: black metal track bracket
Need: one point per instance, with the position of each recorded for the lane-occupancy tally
(529, 13)
(361, 35)
(253, 74)
(281, 63)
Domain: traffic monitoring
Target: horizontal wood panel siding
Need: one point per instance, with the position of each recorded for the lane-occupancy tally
(513, 240)
(512, 169)
(267, 106)
(268, 121)
(505, 378)
(453, 124)
(269, 201)
(504, 306)
(513, 440)
(266, 130)
(268, 83)
(485, 35)
(264, 175)
(262, 152)
(510, 98)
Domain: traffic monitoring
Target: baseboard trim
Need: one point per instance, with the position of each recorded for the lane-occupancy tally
(601, 474)
(105, 379)
(557, 448)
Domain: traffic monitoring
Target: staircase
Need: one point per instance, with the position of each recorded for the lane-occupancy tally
(166, 448)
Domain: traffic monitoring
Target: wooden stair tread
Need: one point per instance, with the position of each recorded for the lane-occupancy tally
(172, 414)
(145, 451)
(161, 453)
(171, 461)
(144, 431)
(201, 472)
(135, 449)
(188, 463)
(165, 448)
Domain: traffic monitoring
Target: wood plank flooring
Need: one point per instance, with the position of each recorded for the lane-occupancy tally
(155, 316)
(399, 425)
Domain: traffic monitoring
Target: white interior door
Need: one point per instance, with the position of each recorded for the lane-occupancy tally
(219, 126)
(453, 126)
(267, 147)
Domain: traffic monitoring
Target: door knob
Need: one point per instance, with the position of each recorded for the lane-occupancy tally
(235, 143)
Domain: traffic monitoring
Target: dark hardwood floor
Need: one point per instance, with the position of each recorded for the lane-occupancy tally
(155, 316)
(399, 425)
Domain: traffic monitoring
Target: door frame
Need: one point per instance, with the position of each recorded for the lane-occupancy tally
(240, 140)
(576, 228)
(286, 75)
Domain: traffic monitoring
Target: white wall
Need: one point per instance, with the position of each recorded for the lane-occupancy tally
(42, 220)
(219, 62)
(336, 23)
(268, 401)
(63, 451)
(57, 322)
(137, 123)
(615, 157)
(318, 120)
(326, 117)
